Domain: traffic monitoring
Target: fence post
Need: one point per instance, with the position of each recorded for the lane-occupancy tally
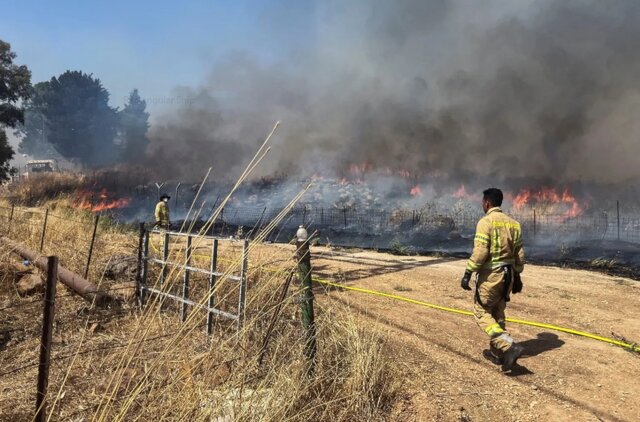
(308, 321)
(45, 341)
(534, 223)
(618, 216)
(165, 258)
(44, 229)
(145, 263)
(140, 254)
(344, 212)
(10, 220)
(93, 241)
(243, 283)
(185, 281)
(212, 284)
(322, 216)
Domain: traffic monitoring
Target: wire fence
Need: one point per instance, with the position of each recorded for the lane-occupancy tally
(545, 227)
(48, 233)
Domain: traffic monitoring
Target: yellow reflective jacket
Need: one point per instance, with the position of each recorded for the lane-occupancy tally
(162, 214)
(498, 242)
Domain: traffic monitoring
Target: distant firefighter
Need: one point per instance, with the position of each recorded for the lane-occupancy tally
(162, 212)
(498, 260)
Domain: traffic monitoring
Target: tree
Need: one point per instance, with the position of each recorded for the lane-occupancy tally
(15, 83)
(72, 114)
(134, 123)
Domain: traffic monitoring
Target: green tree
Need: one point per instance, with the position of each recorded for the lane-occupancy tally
(134, 124)
(72, 114)
(15, 83)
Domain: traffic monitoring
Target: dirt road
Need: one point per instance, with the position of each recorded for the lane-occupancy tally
(561, 377)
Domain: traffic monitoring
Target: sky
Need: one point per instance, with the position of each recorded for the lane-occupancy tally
(153, 46)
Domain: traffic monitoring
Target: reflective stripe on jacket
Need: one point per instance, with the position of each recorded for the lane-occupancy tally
(498, 242)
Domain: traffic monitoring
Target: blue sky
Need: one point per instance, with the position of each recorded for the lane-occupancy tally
(150, 45)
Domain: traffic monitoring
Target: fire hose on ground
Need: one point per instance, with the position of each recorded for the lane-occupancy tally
(633, 347)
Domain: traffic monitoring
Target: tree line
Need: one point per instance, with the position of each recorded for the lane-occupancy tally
(68, 116)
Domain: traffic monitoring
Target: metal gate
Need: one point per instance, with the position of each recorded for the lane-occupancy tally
(212, 273)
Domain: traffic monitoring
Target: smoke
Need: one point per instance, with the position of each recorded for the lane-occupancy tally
(492, 92)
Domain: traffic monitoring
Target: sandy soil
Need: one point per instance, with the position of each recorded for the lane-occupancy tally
(561, 376)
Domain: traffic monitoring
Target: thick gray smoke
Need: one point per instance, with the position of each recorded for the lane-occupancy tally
(491, 91)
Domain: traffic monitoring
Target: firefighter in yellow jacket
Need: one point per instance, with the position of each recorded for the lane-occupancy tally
(162, 212)
(498, 260)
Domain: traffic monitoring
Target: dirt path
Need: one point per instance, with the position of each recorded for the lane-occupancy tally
(561, 377)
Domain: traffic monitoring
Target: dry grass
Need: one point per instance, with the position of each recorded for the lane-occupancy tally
(43, 187)
(144, 364)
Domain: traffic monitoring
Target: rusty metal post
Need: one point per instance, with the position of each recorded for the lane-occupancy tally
(93, 241)
(165, 258)
(44, 229)
(243, 283)
(212, 284)
(45, 341)
(10, 220)
(185, 281)
(303, 255)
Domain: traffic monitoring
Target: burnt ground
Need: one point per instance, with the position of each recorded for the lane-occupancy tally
(616, 258)
(439, 355)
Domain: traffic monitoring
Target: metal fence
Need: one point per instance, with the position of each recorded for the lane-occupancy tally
(186, 268)
(545, 227)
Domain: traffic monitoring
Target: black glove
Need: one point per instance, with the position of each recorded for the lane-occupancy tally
(517, 283)
(466, 278)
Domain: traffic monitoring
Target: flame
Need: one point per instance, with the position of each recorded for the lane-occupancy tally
(546, 197)
(416, 191)
(99, 201)
(460, 193)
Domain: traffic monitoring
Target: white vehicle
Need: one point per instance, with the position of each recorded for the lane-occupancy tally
(41, 166)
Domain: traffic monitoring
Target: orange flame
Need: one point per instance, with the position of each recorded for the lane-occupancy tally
(460, 193)
(546, 196)
(97, 202)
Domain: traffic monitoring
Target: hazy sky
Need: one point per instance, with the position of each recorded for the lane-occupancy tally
(150, 45)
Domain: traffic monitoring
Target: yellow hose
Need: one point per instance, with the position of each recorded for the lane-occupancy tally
(631, 347)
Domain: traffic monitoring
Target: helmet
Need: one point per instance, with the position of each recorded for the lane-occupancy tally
(163, 196)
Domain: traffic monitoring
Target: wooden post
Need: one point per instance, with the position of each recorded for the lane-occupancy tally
(344, 212)
(212, 284)
(303, 256)
(322, 216)
(534, 223)
(93, 241)
(185, 281)
(243, 283)
(165, 258)
(10, 220)
(45, 342)
(44, 229)
(618, 215)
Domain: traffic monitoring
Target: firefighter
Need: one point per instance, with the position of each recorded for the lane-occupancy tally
(498, 260)
(162, 212)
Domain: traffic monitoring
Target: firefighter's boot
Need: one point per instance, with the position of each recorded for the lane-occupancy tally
(511, 357)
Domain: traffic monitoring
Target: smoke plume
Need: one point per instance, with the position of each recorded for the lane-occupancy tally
(498, 92)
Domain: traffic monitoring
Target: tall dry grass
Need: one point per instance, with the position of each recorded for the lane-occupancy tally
(39, 188)
(144, 364)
